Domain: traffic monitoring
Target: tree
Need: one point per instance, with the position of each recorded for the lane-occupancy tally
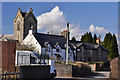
(105, 41)
(113, 48)
(95, 38)
(86, 37)
(73, 39)
(109, 40)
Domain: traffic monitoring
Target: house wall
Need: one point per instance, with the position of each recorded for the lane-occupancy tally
(53, 52)
(32, 42)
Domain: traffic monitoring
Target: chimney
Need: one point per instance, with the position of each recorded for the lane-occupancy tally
(64, 33)
(98, 41)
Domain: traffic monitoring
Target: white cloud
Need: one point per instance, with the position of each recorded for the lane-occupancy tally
(98, 30)
(76, 32)
(55, 22)
(52, 21)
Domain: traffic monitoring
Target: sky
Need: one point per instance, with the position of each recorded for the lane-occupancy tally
(94, 17)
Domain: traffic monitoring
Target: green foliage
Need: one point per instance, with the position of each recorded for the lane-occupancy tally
(113, 49)
(110, 43)
(95, 38)
(109, 40)
(87, 37)
(73, 39)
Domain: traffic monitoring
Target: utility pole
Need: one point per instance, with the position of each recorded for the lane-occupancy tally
(67, 44)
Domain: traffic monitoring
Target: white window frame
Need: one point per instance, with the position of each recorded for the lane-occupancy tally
(48, 48)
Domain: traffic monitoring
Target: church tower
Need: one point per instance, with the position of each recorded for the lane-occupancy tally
(23, 22)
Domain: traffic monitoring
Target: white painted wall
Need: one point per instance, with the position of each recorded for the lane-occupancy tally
(31, 41)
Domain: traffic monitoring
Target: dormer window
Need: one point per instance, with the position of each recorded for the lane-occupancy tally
(48, 48)
(58, 48)
(18, 26)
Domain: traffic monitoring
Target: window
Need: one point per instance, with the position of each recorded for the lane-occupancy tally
(18, 37)
(82, 49)
(18, 26)
(69, 50)
(57, 50)
(48, 48)
(91, 51)
(99, 51)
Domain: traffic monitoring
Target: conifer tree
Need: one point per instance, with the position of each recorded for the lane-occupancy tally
(113, 49)
(95, 38)
(109, 40)
(105, 41)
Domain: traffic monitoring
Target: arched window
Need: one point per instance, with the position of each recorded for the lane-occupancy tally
(18, 26)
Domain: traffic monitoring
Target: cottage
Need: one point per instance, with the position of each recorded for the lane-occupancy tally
(52, 45)
(91, 52)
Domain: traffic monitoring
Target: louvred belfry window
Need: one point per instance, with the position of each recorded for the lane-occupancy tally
(18, 26)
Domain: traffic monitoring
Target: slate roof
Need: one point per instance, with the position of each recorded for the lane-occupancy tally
(55, 40)
(44, 39)
(88, 45)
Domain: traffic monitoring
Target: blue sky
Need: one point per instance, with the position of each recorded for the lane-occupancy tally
(98, 17)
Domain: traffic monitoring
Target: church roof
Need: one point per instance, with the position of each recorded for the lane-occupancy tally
(23, 13)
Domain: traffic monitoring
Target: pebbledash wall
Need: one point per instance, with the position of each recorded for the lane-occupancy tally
(8, 50)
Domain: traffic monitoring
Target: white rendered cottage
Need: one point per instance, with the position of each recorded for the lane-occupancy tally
(52, 45)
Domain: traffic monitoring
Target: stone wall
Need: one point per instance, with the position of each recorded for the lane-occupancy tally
(115, 68)
(35, 71)
(8, 50)
(74, 70)
(64, 70)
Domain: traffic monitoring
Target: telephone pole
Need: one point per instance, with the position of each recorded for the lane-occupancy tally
(67, 44)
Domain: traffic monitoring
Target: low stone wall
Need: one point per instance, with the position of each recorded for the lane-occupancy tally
(35, 71)
(64, 70)
(80, 69)
(102, 67)
(74, 70)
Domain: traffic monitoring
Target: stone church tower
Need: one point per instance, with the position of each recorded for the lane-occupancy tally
(23, 22)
